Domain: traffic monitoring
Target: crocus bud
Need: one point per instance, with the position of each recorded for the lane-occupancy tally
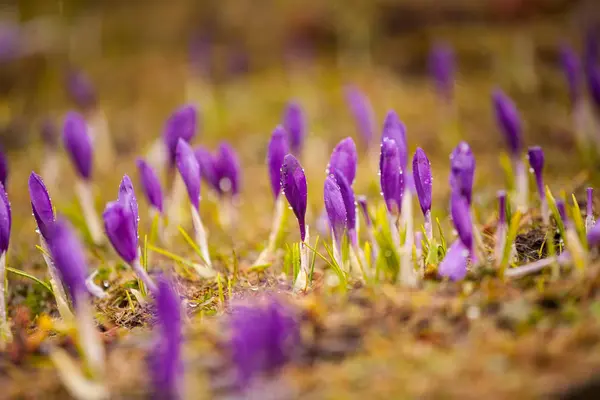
(127, 196)
(392, 182)
(422, 179)
(441, 68)
(395, 130)
(80, 89)
(295, 125)
(362, 111)
(49, 133)
(461, 217)
(41, 204)
(78, 144)
(166, 367)
(349, 205)
(571, 69)
(120, 227)
(362, 202)
(150, 184)
(344, 159)
(334, 205)
(228, 169)
(276, 151)
(535, 155)
(190, 171)
(182, 124)
(68, 256)
(3, 168)
(562, 212)
(509, 122)
(593, 236)
(5, 220)
(293, 184)
(208, 166)
(462, 171)
(454, 264)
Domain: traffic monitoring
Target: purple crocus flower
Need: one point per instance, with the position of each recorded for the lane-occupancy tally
(5, 220)
(535, 155)
(11, 39)
(362, 111)
(336, 211)
(78, 144)
(263, 339)
(422, 179)
(509, 121)
(344, 159)
(392, 181)
(228, 170)
(3, 168)
(182, 124)
(441, 68)
(349, 205)
(127, 196)
(562, 212)
(41, 204)
(150, 184)
(293, 184)
(593, 236)
(120, 226)
(68, 256)
(49, 133)
(208, 166)
(462, 171)
(276, 151)
(454, 264)
(294, 123)
(166, 367)
(461, 217)
(80, 89)
(190, 171)
(395, 130)
(571, 69)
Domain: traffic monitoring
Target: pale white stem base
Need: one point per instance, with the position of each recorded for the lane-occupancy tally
(92, 288)
(589, 222)
(545, 211)
(74, 379)
(428, 226)
(358, 264)
(392, 222)
(337, 252)
(157, 155)
(86, 200)
(407, 276)
(174, 212)
(530, 268)
(62, 302)
(90, 342)
(5, 333)
(201, 236)
(51, 167)
(301, 282)
(268, 251)
(102, 141)
(501, 231)
(521, 186)
(227, 213)
(142, 274)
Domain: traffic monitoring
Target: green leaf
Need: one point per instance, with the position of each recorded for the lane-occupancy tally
(506, 165)
(555, 213)
(513, 229)
(29, 276)
(579, 223)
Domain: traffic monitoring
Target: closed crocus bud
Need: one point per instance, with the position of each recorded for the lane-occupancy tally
(294, 123)
(208, 167)
(182, 124)
(276, 151)
(462, 171)
(80, 89)
(165, 364)
(572, 71)
(41, 204)
(422, 179)
(78, 144)
(3, 168)
(535, 155)
(392, 182)
(461, 217)
(454, 264)
(190, 171)
(150, 184)
(293, 184)
(127, 196)
(441, 68)
(5, 220)
(68, 256)
(334, 205)
(395, 130)
(120, 226)
(593, 236)
(228, 169)
(362, 111)
(349, 205)
(509, 121)
(344, 160)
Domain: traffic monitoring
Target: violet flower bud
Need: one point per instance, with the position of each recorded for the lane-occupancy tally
(78, 144)
(127, 196)
(395, 130)
(208, 167)
(392, 181)
(593, 236)
(509, 122)
(454, 264)
(572, 71)
(535, 155)
(334, 205)
(349, 205)
(441, 69)
(41, 204)
(344, 159)
(461, 217)
(362, 202)
(150, 184)
(293, 184)
(80, 89)
(5, 220)
(462, 171)
(294, 123)
(182, 124)
(3, 168)
(276, 151)
(422, 179)
(120, 225)
(49, 133)
(68, 256)
(228, 169)
(165, 364)
(190, 171)
(362, 111)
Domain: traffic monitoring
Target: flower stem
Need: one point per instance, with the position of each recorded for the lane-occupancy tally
(407, 275)
(89, 341)
(521, 185)
(301, 282)
(5, 333)
(86, 200)
(143, 275)
(278, 219)
(428, 226)
(201, 236)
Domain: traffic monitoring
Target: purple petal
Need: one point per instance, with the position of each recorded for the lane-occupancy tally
(535, 155)
(362, 111)
(121, 228)
(392, 182)
(189, 169)
(278, 148)
(334, 205)
(41, 204)
(509, 121)
(349, 205)
(441, 68)
(5, 220)
(344, 159)
(182, 124)
(49, 133)
(80, 89)
(228, 169)
(208, 167)
(462, 171)
(295, 125)
(150, 184)
(293, 184)
(593, 236)
(454, 264)
(395, 130)
(127, 196)
(422, 179)
(78, 144)
(562, 212)
(461, 217)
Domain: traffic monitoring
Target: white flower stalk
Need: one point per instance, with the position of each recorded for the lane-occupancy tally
(101, 139)
(5, 333)
(62, 302)
(278, 220)
(407, 275)
(92, 220)
(201, 236)
(301, 282)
